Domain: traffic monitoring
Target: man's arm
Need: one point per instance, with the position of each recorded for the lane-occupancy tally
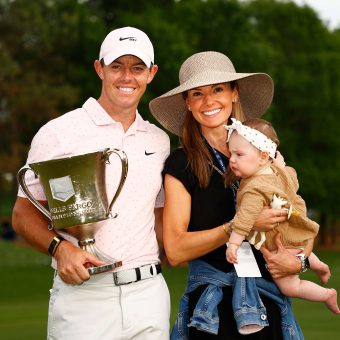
(32, 226)
(159, 227)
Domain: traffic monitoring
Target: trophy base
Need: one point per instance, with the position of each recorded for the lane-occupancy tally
(89, 246)
(104, 268)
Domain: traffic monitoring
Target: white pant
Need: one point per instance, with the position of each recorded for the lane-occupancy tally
(99, 310)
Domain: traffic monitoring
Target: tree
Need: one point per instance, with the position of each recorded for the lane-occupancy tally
(44, 52)
(48, 51)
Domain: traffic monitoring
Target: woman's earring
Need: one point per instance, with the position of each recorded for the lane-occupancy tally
(189, 108)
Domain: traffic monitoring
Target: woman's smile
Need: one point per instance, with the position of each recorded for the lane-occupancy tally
(211, 112)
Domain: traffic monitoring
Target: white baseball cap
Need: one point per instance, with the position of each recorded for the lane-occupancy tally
(124, 41)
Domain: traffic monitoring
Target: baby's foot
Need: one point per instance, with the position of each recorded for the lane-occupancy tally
(323, 272)
(331, 301)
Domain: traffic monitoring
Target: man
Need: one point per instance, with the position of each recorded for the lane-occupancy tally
(107, 305)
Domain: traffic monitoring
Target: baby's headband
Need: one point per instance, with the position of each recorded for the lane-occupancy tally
(253, 136)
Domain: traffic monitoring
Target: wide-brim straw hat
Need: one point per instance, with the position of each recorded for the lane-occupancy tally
(255, 90)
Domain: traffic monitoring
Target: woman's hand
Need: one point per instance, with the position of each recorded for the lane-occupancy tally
(279, 161)
(281, 263)
(269, 218)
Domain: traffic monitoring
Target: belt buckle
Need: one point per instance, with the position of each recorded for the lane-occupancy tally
(115, 279)
(117, 282)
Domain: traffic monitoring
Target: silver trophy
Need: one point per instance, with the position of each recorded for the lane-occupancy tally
(76, 196)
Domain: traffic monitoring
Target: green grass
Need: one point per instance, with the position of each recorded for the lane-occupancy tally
(316, 321)
(26, 278)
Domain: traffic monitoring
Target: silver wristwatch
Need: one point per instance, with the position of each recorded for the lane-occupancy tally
(304, 262)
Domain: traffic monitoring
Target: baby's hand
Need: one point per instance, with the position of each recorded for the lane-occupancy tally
(232, 252)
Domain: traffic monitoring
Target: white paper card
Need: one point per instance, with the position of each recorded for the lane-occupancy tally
(247, 265)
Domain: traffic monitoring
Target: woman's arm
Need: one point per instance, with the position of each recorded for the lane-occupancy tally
(180, 244)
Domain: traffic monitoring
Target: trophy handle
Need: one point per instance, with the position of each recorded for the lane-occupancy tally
(124, 162)
(24, 188)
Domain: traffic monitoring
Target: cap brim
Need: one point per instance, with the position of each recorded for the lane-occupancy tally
(112, 56)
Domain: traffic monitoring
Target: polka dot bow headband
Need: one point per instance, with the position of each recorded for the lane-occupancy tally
(253, 136)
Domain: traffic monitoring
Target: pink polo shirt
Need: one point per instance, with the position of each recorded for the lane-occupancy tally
(131, 236)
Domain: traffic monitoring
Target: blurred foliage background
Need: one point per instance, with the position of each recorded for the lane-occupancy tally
(47, 50)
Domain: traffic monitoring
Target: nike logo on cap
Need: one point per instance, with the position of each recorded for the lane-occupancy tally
(129, 38)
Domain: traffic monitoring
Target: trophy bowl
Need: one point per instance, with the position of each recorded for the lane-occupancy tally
(76, 195)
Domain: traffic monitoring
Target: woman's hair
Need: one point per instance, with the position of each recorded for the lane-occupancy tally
(194, 146)
(260, 125)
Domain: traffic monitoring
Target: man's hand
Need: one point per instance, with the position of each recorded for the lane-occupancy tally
(269, 218)
(72, 263)
(281, 263)
(32, 226)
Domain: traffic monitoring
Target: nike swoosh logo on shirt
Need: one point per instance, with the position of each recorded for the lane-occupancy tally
(148, 153)
(130, 38)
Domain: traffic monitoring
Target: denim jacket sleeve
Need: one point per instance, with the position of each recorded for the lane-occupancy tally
(180, 329)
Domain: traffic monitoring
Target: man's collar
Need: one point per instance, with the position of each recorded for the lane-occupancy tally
(97, 113)
(100, 117)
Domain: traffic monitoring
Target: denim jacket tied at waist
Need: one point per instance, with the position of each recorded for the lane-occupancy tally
(247, 304)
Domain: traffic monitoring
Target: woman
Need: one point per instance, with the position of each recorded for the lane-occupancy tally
(199, 207)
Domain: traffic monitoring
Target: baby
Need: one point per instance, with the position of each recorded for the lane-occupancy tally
(252, 147)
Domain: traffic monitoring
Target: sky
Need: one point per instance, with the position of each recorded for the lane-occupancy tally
(328, 10)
